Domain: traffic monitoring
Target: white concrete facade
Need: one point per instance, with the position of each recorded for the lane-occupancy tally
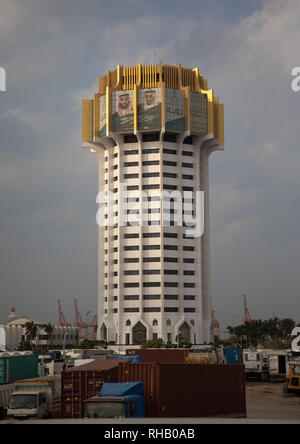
(152, 278)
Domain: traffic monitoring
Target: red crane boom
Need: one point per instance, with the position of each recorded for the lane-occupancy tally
(247, 317)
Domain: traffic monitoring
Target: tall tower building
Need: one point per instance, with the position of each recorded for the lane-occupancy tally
(153, 128)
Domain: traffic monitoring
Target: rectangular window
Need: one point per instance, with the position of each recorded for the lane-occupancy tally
(173, 297)
(130, 260)
(132, 187)
(150, 137)
(131, 247)
(169, 163)
(187, 177)
(172, 235)
(151, 297)
(189, 285)
(189, 310)
(188, 261)
(171, 309)
(150, 162)
(187, 153)
(151, 247)
(131, 272)
(170, 247)
(151, 284)
(151, 187)
(130, 164)
(170, 271)
(151, 259)
(187, 165)
(189, 298)
(151, 272)
(168, 151)
(131, 176)
(130, 152)
(147, 235)
(188, 272)
(170, 259)
(130, 138)
(145, 175)
(151, 309)
(187, 248)
(169, 187)
(131, 310)
(170, 175)
(131, 236)
(171, 284)
(150, 150)
(134, 297)
(131, 284)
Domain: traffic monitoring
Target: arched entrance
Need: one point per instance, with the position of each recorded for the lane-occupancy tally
(139, 334)
(185, 333)
(103, 332)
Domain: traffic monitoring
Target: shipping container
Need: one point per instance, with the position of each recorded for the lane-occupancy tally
(80, 383)
(18, 367)
(168, 355)
(189, 390)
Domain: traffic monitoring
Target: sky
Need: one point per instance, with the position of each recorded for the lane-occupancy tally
(53, 52)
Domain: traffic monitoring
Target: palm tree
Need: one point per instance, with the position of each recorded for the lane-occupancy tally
(31, 330)
(49, 329)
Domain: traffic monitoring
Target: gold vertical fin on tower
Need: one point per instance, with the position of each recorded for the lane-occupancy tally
(87, 120)
(96, 125)
(108, 110)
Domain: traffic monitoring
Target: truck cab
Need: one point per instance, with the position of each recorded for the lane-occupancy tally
(27, 404)
(292, 385)
(117, 400)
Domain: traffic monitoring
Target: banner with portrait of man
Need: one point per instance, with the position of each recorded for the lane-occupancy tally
(122, 111)
(149, 109)
(175, 110)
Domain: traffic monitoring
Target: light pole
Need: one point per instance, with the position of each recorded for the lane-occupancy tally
(87, 324)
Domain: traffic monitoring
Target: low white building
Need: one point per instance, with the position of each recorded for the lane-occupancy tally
(13, 333)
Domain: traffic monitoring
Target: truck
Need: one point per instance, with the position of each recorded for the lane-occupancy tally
(117, 400)
(5, 392)
(292, 383)
(256, 365)
(277, 362)
(37, 397)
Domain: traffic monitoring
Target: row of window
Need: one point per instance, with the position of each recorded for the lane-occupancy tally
(153, 272)
(154, 310)
(150, 297)
(152, 247)
(157, 162)
(131, 260)
(154, 174)
(152, 284)
(155, 137)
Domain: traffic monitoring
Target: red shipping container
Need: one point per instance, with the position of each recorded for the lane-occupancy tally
(189, 390)
(80, 383)
(168, 355)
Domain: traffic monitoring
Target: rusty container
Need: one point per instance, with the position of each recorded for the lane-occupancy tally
(168, 355)
(80, 383)
(189, 390)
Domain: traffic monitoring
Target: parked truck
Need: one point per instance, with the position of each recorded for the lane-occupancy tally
(292, 384)
(37, 397)
(256, 365)
(5, 392)
(277, 363)
(117, 400)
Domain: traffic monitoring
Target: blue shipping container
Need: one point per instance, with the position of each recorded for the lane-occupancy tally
(233, 356)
